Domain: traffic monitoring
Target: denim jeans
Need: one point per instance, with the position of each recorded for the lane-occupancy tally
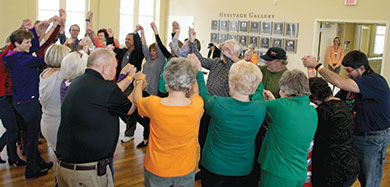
(371, 151)
(152, 180)
(10, 137)
(31, 115)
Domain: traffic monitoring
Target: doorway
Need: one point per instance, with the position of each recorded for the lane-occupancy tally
(368, 37)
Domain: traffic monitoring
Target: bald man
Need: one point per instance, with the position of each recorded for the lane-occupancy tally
(89, 127)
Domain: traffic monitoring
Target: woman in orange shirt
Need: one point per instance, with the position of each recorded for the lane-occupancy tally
(335, 55)
(170, 158)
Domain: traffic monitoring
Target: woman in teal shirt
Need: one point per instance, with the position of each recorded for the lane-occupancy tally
(293, 122)
(229, 151)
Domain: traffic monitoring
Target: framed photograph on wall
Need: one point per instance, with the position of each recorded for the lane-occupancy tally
(214, 37)
(277, 42)
(214, 25)
(292, 29)
(243, 26)
(254, 27)
(278, 29)
(265, 42)
(222, 37)
(232, 36)
(290, 45)
(266, 28)
(223, 25)
(243, 40)
(254, 40)
(233, 26)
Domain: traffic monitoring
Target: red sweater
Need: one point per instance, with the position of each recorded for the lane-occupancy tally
(5, 76)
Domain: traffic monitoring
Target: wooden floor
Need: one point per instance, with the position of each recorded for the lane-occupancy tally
(128, 166)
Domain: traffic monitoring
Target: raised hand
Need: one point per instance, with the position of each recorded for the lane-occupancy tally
(89, 15)
(55, 19)
(110, 32)
(175, 26)
(309, 61)
(195, 62)
(42, 27)
(27, 23)
(138, 27)
(62, 13)
(154, 27)
(191, 34)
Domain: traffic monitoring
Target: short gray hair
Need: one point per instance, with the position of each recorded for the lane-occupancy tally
(73, 65)
(296, 82)
(179, 75)
(236, 45)
(250, 52)
(244, 77)
(54, 55)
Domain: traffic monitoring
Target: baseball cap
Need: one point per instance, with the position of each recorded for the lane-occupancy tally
(274, 53)
(210, 44)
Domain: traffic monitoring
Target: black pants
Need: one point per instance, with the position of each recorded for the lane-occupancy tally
(203, 129)
(210, 179)
(31, 114)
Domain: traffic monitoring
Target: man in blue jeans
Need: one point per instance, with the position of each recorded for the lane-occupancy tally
(367, 95)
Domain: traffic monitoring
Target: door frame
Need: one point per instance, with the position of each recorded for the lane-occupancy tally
(316, 35)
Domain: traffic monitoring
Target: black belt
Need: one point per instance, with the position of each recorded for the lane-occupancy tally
(76, 166)
(371, 133)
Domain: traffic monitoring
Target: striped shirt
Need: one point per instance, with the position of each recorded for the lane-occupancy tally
(217, 81)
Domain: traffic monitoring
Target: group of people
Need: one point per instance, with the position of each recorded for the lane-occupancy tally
(256, 125)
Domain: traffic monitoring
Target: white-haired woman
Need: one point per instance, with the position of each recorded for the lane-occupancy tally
(49, 93)
(73, 66)
(293, 123)
(228, 155)
(170, 158)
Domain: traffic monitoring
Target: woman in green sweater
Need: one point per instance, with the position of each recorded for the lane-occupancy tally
(293, 123)
(229, 151)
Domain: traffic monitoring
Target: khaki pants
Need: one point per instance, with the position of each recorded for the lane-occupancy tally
(69, 177)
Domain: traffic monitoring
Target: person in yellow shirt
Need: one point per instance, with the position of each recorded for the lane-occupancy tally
(174, 125)
(335, 55)
(254, 56)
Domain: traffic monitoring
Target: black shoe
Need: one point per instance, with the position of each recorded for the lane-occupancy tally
(199, 175)
(2, 161)
(46, 165)
(37, 174)
(142, 144)
(17, 162)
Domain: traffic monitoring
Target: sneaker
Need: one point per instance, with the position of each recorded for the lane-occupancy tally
(127, 139)
(142, 144)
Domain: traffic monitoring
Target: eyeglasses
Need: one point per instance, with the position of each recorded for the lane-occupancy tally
(75, 30)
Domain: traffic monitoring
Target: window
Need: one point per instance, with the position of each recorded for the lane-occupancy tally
(126, 19)
(379, 39)
(145, 17)
(47, 9)
(75, 14)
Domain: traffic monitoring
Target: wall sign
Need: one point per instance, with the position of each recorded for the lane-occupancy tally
(350, 2)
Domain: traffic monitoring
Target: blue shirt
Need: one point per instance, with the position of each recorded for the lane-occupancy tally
(370, 107)
(24, 72)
